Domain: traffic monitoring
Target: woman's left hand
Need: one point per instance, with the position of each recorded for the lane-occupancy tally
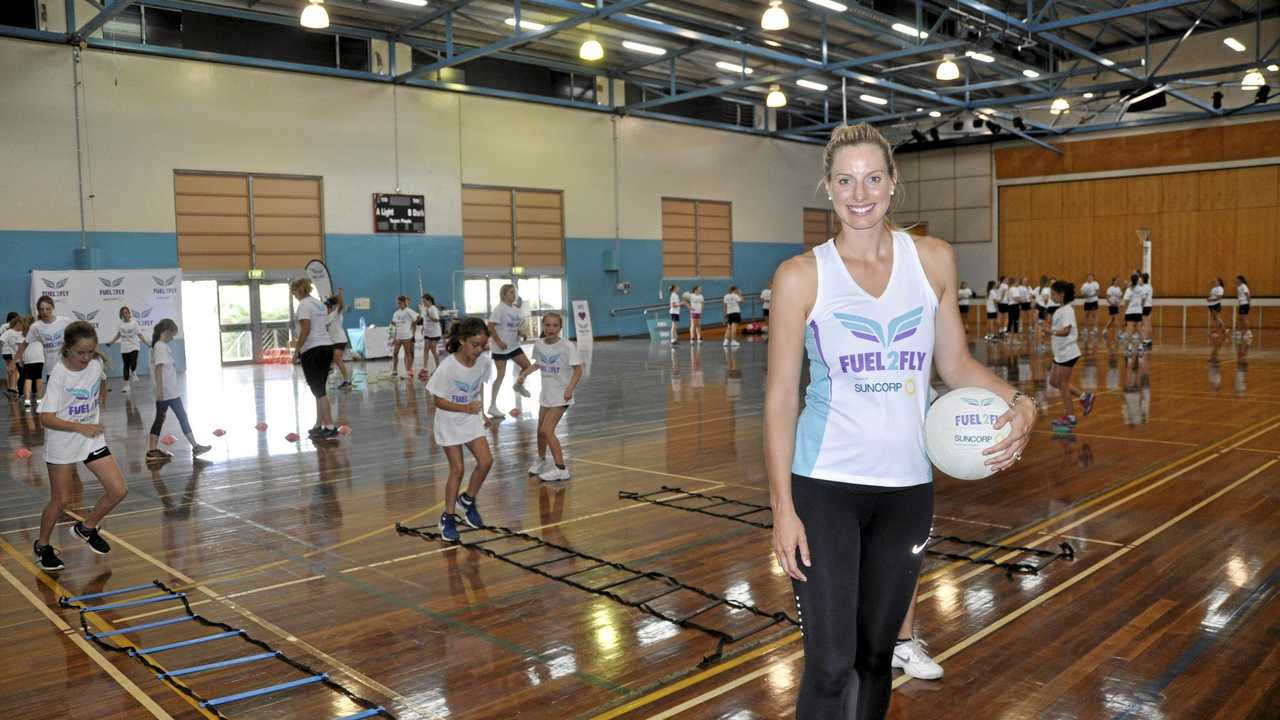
(1021, 417)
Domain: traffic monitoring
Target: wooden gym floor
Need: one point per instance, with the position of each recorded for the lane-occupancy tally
(1169, 494)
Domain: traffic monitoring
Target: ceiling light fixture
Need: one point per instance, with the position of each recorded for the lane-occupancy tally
(1273, 68)
(642, 48)
(908, 30)
(979, 56)
(947, 69)
(775, 18)
(525, 24)
(1060, 106)
(1252, 79)
(1234, 44)
(776, 99)
(935, 114)
(873, 99)
(1031, 74)
(591, 50)
(812, 85)
(1107, 62)
(730, 67)
(314, 16)
(830, 5)
(1088, 96)
(416, 3)
(773, 43)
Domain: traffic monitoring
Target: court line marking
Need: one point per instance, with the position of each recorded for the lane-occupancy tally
(989, 629)
(84, 644)
(1118, 437)
(1038, 527)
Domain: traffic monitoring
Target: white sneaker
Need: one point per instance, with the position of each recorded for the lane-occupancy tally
(911, 658)
(125, 389)
(540, 467)
(735, 343)
(726, 342)
(519, 387)
(495, 412)
(554, 474)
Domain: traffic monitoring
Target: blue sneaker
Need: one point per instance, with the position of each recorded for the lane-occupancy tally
(1086, 401)
(449, 527)
(471, 513)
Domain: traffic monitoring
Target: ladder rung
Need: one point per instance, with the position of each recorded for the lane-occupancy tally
(633, 578)
(217, 665)
(121, 591)
(364, 714)
(263, 691)
(185, 643)
(134, 603)
(144, 626)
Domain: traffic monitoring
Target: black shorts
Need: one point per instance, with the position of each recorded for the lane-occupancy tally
(1113, 309)
(1040, 312)
(434, 340)
(1244, 309)
(1067, 363)
(1090, 306)
(408, 342)
(1146, 311)
(1050, 310)
(98, 454)
(510, 355)
(315, 368)
(1133, 317)
(1003, 308)
(675, 318)
(339, 346)
(1215, 308)
(964, 309)
(992, 316)
(33, 371)
(766, 312)
(7, 357)
(1025, 306)
(733, 318)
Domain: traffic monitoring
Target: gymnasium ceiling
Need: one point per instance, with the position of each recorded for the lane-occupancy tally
(1039, 51)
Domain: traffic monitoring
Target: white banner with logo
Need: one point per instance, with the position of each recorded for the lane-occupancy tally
(96, 296)
(582, 323)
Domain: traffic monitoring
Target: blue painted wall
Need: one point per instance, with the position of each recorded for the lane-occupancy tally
(382, 267)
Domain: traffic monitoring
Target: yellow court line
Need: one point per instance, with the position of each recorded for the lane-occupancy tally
(101, 624)
(1117, 437)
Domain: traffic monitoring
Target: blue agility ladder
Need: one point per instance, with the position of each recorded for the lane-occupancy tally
(213, 705)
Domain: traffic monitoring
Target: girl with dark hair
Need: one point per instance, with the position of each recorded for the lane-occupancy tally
(164, 373)
(732, 316)
(1215, 306)
(69, 412)
(457, 387)
(1066, 352)
(131, 340)
(1132, 299)
(10, 338)
(1242, 304)
(674, 303)
(430, 321)
(561, 368)
(335, 309)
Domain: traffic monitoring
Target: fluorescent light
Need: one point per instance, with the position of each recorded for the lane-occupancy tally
(1088, 96)
(1107, 62)
(314, 16)
(642, 48)
(1031, 74)
(1234, 44)
(525, 24)
(988, 111)
(1252, 80)
(773, 43)
(811, 85)
(1273, 68)
(873, 99)
(415, 3)
(1152, 92)
(730, 67)
(1059, 106)
(776, 99)
(591, 50)
(948, 70)
(979, 56)
(830, 5)
(775, 18)
(935, 114)
(908, 30)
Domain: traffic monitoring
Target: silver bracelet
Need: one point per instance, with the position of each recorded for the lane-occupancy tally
(1018, 395)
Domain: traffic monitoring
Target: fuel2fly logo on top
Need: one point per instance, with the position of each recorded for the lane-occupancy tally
(110, 288)
(55, 288)
(164, 286)
(886, 360)
(466, 393)
(83, 402)
(974, 428)
(89, 317)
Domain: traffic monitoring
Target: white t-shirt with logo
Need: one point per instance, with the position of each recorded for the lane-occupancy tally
(1242, 294)
(164, 367)
(10, 339)
(556, 361)
(991, 301)
(695, 303)
(72, 395)
(1133, 300)
(130, 336)
(1148, 293)
(33, 355)
(1114, 295)
(430, 321)
(49, 335)
(1090, 291)
(333, 325)
(463, 385)
(766, 296)
(312, 310)
(732, 303)
(1065, 347)
(1215, 295)
(965, 295)
(674, 304)
(506, 322)
(1045, 299)
(403, 320)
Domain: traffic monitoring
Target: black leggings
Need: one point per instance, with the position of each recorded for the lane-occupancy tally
(130, 363)
(162, 407)
(1015, 315)
(866, 544)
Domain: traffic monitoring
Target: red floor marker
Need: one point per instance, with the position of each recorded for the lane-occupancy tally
(261, 426)
(291, 437)
(23, 453)
(219, 432)
(168, 439)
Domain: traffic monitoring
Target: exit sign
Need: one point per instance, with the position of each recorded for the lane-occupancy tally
(257, 274)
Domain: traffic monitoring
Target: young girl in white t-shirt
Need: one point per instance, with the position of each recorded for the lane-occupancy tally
(430, 322)
(334, 324)
(732, 315)
(674, 303)
(561, 367)
(403, 322)
(131, 341)
(457, 387)
(69, 412)
(504, 343)
(1066, 352)
(695, 301)
(46, 331)
(164, 373)
(10, 339)
(766, 301)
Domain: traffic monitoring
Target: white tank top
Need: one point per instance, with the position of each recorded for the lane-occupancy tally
(869, 366)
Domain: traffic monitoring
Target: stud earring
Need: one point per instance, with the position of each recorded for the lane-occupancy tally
(828, 197)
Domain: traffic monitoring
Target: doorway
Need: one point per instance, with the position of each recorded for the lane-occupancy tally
(538, 293)
(254, 321)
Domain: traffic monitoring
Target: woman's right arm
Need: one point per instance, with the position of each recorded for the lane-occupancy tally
(794, 291)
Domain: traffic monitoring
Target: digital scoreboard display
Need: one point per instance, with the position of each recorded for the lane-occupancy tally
(393, 213)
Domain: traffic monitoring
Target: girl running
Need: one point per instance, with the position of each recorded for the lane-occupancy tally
(964, 295)
(69, 412)
(131, 341)
(1133, 311)
(335, 306)
(1089, 291)
(696, 302)
(458, 388)
(31, 355)
(504, 333)
(1215, 307)
(1114, 296)
(430, 321)
(561, 368)
(164, 373)
(732, 315)
(403, 321)
(316, 351)
(849, 479)
(1242, 303)
(47, 331)
(10, 339)
(993, 311)
(673, 307)
(1066, 352)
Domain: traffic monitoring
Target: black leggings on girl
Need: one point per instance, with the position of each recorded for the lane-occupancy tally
(866, 543)
(162, 407)
(130, 363)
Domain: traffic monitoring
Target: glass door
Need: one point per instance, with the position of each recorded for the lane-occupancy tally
(275, 315)
(235, 323)
(255, 321)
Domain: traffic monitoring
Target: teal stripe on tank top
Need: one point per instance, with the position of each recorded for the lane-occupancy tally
(813, 419)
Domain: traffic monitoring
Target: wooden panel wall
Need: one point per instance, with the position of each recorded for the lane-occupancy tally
(697, 238)
(486, 227)
(287, 227)
(679, 238)
(504, 226)
(819, 226)
(1181, 147)
(539, 228)
(1203, 225)
(212, 220)
(715, 239)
